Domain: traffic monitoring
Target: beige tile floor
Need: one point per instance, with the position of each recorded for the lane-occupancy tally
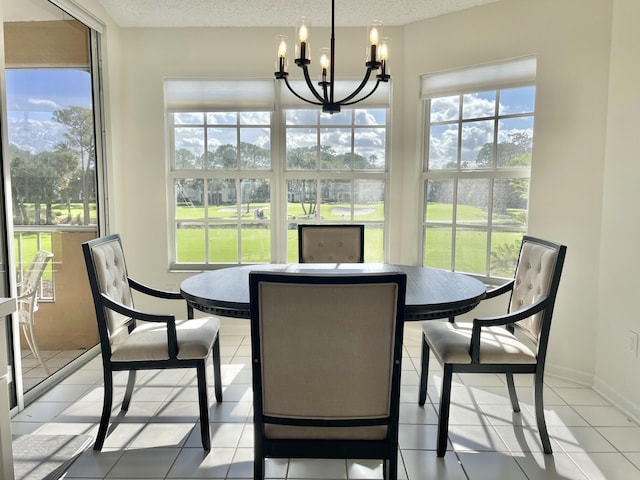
(159, 437)
(32, 371)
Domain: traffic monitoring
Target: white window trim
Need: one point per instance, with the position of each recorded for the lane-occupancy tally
(266, 100)
(491, 76)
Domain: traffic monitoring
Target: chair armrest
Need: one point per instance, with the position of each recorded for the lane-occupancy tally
(134, 313)
(24, 298)
(170, 320)
(502, 289)
(478, 323)
(494, 292)
(154, 292)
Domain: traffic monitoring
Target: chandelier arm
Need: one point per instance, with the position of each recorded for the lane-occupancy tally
(325, 96)
(357, 90)
(286, 81)
(324, 90)
(307, 79)
(362, 98)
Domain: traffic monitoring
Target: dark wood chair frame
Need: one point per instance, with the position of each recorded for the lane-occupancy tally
(386, 449)
(102, 302)
(308, 226)
(509, 320)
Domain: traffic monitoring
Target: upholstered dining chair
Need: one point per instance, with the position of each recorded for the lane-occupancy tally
(327, 243)
(514, 343)
(28, 296)
(158, 342)
(326, 358)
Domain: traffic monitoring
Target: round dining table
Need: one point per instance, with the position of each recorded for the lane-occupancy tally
(431, 293)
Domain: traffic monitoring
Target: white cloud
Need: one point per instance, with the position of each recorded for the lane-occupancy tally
(43, 104)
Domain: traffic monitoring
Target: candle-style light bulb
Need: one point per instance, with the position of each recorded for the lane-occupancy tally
(374, 38)
(324, 63)
(282, 48)
(281, 61)
(383, 51)
(303, 33)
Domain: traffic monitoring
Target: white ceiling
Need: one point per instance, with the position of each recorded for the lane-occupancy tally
(276, 13)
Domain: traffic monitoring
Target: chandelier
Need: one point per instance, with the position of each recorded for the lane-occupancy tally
(377, 56)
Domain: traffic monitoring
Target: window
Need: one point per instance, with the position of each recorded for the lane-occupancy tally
(244, 173)
(335, 172)
(222, 187)
(478, 132)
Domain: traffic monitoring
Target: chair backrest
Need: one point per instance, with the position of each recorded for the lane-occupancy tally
(326, 349)
(107, 270)
(537, 277)
(29, 288)
(31, 281)
(330, 243)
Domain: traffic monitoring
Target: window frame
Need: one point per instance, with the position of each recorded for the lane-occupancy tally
(278, 175)
(351, 174)
(237, 174)
(491, 173)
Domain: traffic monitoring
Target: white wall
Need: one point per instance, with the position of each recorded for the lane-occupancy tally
(617, 372)
(150, 55)
(572, 41)
(566, 186)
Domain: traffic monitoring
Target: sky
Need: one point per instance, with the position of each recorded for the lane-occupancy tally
(33, 96)
(40, 92)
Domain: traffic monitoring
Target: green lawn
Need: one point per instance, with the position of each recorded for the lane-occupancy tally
(63, 214)
(471, 244)
(29, 247)
(256, 237)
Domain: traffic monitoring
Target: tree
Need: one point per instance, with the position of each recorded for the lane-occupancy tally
(225, 156)
(79, 139)
(185, 159)
(20, 170)
(254, 156)
(39, 179)
(304, 158)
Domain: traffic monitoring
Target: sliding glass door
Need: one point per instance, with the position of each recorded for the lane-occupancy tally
(52, 160)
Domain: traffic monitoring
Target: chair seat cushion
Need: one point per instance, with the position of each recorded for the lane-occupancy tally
(450, 342)
(148, 341)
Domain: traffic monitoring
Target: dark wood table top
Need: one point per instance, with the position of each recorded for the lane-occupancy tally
(431, 293)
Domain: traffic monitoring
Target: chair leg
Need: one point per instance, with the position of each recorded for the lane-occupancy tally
(217, 375)
(258, 469)
(512, 392)
(258, 465)
(542, 424)
(443, 416)
(128, 393)
(106, 410)
(30, 337)
(203, 400)
(424, 372)
(392, 469)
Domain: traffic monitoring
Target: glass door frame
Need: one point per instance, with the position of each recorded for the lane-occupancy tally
(18, 397)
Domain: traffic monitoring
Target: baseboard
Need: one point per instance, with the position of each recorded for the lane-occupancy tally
(599, 386)
(627, 407)
(577, 376)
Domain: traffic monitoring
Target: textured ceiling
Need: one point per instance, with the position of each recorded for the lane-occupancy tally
(276, 13)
